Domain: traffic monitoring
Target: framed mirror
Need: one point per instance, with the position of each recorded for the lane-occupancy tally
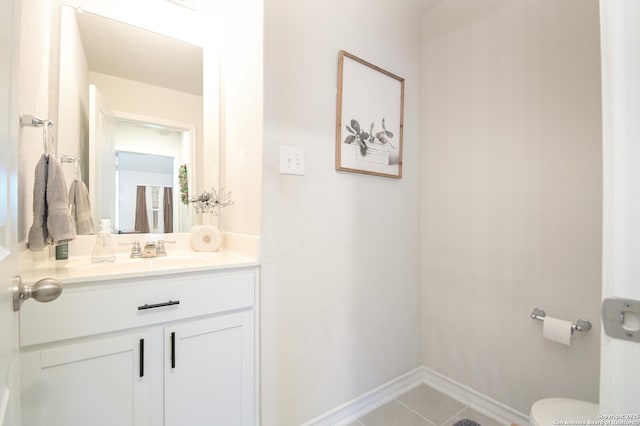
(130, 109)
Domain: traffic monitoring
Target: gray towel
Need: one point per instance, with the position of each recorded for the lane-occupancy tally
(81, 208)
(38, 236)
(59, 223)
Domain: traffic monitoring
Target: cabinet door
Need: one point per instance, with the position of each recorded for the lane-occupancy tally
(209, 372)
(96, 382)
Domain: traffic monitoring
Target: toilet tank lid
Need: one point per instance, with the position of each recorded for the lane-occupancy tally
(550, 410)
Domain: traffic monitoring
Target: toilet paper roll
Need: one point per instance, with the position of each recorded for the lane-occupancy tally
(557, 330)
(205, 238)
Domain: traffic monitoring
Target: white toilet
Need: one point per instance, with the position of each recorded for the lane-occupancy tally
(552, 411)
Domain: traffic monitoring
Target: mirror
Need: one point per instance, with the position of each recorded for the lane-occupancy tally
(130, 109)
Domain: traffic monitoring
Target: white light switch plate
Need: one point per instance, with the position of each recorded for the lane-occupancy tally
(291, 160)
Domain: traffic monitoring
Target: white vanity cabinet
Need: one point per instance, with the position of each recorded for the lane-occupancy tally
(92, 382)
(209, 373)
(171, 350)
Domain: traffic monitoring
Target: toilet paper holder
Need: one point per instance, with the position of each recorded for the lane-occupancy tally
(580, 325)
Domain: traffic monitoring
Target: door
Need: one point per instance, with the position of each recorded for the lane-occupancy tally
(102, 159)
(99, 382)
(620, 42)
(9, 391)
(209, 372)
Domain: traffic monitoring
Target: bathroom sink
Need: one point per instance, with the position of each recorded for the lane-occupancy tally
(78, 268)
(124, 264)
(175, 260)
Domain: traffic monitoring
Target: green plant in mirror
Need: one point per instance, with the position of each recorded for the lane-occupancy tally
(184, 184)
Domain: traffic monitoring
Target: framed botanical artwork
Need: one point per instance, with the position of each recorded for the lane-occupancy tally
(369, 118)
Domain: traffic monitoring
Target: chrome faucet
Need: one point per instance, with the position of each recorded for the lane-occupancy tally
(136, 251)
(149, 250)
(161, 249)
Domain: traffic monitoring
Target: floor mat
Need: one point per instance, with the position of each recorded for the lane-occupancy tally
(466, 422)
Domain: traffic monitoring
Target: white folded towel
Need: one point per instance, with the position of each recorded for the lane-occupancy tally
(81, 208)
(38, 236)
(59, 223)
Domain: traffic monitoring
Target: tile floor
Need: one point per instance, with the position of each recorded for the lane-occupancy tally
(423, 406)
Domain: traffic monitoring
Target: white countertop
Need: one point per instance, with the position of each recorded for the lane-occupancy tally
(81, 269)
(238, 251)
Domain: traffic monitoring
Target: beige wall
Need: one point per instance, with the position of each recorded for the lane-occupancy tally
(132, 97)
(340, 296)
(511, 194)
(73, 126)
(241, 114)
(33, 90)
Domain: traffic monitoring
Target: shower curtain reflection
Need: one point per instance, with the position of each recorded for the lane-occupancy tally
(167, 206)
(145, 193)
(142, 219)
(148, 201)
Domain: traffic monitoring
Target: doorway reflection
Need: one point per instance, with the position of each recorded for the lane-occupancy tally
(147, 179)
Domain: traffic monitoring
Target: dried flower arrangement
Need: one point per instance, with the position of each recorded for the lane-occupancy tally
(207, 202)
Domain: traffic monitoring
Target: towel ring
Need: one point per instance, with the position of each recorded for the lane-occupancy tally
(66, 158)
(29, 120)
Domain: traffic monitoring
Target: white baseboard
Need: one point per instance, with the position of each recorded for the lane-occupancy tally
(474, 399)
(368, 402)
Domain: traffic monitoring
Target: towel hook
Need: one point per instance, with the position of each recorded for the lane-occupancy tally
(66, 158)
(29, 120)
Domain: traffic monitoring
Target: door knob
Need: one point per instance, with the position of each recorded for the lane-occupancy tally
(45, 290)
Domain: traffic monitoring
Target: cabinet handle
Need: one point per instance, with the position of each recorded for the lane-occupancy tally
(173, 349)
(158, 305)
(141, 357)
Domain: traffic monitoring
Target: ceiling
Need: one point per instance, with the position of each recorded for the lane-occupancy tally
(124, 51)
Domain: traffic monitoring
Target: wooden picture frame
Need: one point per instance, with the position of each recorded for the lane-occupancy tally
(369, 118)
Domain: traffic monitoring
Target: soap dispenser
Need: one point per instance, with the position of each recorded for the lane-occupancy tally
(104, 251)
